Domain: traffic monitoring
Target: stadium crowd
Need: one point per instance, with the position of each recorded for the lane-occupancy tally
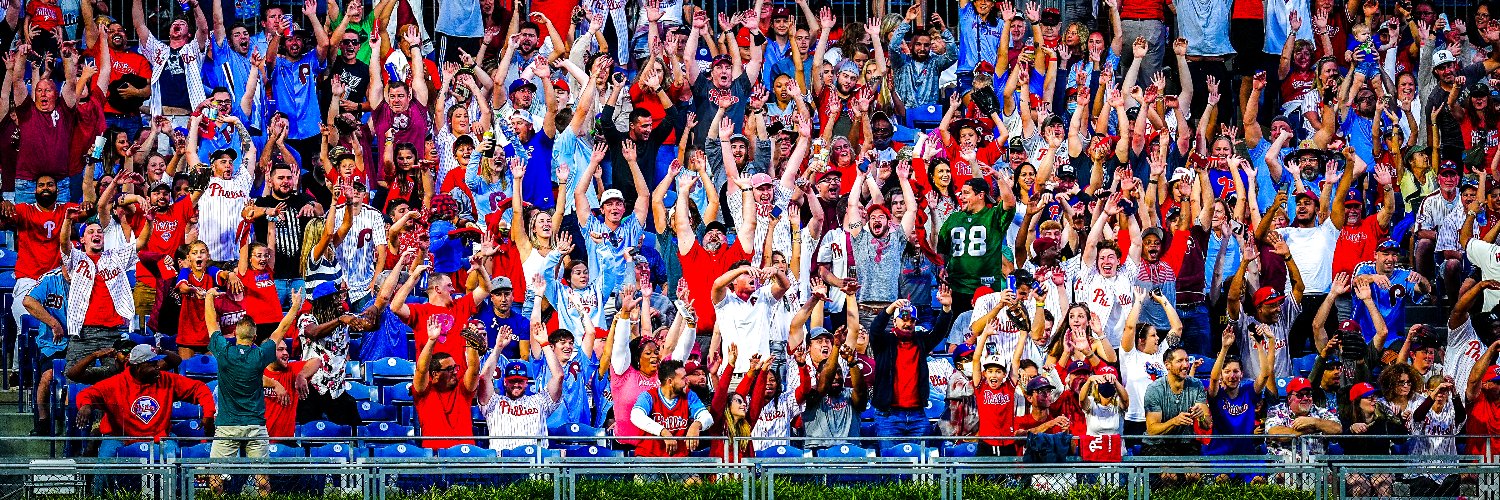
(1130, 221)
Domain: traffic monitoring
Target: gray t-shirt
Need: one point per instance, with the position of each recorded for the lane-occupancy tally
(878, 261)
(1161, 399)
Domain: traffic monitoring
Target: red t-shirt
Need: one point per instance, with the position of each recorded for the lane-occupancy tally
(1484, 420)
(908, 355)
(1027, 422)
(134, 409)
(44, 15)
(453, 343)
(1143, 9)
(101, 311)
(191, 329)
(37, 230)
(700, 268)
(446, 413)
(121, 63)
(261, 301)
(962, 170)
(168, 228)
(1356, 244)
(1297, 84)
(281, 420)
(997, 411)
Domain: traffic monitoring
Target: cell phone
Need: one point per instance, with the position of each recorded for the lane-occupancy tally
(618, 78)
(775, 212)
(211, 113)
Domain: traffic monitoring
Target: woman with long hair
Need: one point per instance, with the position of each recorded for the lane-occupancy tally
(409, 178)
(1398, 392)
(732, 410)
(1365, 416)
(1078, 338)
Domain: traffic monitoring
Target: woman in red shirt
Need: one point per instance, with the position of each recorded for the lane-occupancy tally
(259, 299)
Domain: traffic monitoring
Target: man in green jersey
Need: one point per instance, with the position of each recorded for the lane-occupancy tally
(972, 238)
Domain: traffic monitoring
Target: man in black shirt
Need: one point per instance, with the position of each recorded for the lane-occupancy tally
(348, 69)
(292, 209)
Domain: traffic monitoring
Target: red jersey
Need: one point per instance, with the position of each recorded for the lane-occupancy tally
(1356, 244)
(1484, 420)
(997, 411)
(962, 170)
(37, 230)
(674, 418)
(44, 15)
(136, 409)
(101, 311)
(453, 341)
(169, 227)
(281, 420)
(121, 63)
(191, 329)
(700, 268)
(261, 302)
(445, 414)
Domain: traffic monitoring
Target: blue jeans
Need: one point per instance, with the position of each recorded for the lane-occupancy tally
(900, 423)
(1195, 328)
(26, 191)
(284, 289)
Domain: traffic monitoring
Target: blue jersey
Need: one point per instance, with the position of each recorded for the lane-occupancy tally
(230, 69)
(52, 291)
(579, 383)
(295, 88)
(1391, 303)
(1233, 416)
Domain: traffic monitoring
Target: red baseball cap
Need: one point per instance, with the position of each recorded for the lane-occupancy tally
(1348, 325)
(1492, 373)
(1107, 370)
(1267, 295)
(1297, 384)
(1360, 390)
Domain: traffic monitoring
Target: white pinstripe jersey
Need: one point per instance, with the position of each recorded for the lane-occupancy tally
(357, 251)
(219, 213)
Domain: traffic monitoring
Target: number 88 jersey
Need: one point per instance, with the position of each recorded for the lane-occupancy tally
(973, 245)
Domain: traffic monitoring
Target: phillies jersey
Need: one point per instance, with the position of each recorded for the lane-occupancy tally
(37, 230)
(134, 409)
(674, 418)
(219, 213)
(525, 416)
(997, 411)
(281, 420)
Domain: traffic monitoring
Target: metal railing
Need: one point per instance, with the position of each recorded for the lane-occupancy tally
(151, 472)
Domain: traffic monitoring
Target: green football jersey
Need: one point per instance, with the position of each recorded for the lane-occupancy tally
(972, 244)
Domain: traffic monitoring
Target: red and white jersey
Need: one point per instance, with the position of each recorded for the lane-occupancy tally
(526, 416)
(1464, 349)
(219, 213)
(1108, 297)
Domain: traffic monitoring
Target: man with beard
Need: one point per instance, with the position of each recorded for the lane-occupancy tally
(138, 402)
(877, 251)
(1436, 209)
(972, 238)
(440, 384)
(838, 394)
(1311, 242)
(645, 138)
(129, 74)
(916, 65)
(512, 412)
(1270, 323)
(281, 413)
(213, 132)
(1175, 405)
(295, 68)
(291, 210)
(1156, 275)
(168, 221)
(1450, 78)
(1300, 416)
(726, 74)
(178, 64)
(222, 202)
(38, 227)
(230, 49)
(901, 389)
(363, 256)
(706, 258)
(46, 123)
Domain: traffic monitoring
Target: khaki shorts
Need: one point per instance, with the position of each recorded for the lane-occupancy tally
(145, 299)
(253, 439)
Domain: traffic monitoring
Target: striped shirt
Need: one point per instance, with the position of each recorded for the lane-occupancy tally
(112, 266)
(219, 213)
(360, 248)
(191, 55)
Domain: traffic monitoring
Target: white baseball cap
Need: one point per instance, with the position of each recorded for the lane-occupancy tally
(1441, 57)
(611, 194)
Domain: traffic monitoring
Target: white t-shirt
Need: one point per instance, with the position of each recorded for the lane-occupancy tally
(1102, 420)
(526, 416)
(1312, 249)
(746, 324)
(1108, 297)
(1138, 370)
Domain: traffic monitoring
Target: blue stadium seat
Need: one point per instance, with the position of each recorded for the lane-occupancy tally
(1281, 385)
(924, 117)
(782, 451)
(466, 451)
(189, 430)
(960, 450)
(136, 450)
(903, 450)
(845, 451)
(867, 428)
(406, 414)
(344, 451)
(383, 430)
(376, 412)
(278, 450)
(141, 339)
(868, 414)
(198, 451)
(1304, 365)
(359, 391)
(389, 370)
(8, 279)
(589, 452)
(354, 370)
(8, 258)
(322, 429)
(401, 450)
(186, 411)
(399, 394)
(1335, 449)
(200, 368)
(934, 410)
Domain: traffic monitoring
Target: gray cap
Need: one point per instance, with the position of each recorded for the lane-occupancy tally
(818, 331)
(143, 353)
(500, 283)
